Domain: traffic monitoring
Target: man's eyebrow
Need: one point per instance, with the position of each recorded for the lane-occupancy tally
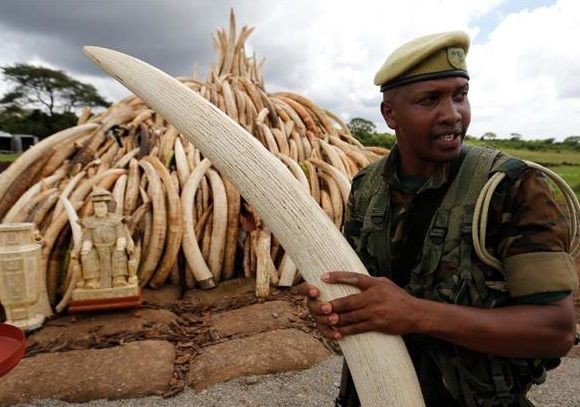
(429, 92)
(464, 87)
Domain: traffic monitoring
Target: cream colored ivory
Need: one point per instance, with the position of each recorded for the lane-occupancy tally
(174, 221)
(381, 368)
(159, 226)
(296, 171)
(32, 205)
(263, 263)
(32, 191)
(341, 179)
(132, 189)
(333, 157)
(181, 162)
(73, 268)
(37, 151)
(123, 161)
(189, 243)
(66, 192)
(84, 188)
(287, 271)
(119, 193)
(220, 223)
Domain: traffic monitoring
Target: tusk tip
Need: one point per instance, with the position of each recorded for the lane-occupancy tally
(91, 50)
(96, 53)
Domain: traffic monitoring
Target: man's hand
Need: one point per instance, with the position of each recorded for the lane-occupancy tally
(521, 331)
(380, 306)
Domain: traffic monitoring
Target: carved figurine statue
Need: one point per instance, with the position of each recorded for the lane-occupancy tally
(108, 264)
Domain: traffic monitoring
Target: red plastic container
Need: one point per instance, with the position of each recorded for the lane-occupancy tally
(11, 347)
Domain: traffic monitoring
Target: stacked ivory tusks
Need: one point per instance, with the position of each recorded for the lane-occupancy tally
(381, 367)
(190, 226)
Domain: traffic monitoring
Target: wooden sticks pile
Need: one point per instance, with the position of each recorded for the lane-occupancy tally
(189, 225)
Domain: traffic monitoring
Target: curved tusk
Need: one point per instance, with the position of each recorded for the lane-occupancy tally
(381, 367)
(189, 243)
(341, 179)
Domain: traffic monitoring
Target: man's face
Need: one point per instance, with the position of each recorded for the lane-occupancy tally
(430, 119)
(101, 209)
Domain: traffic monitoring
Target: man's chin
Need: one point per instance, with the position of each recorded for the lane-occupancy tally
(449, 154)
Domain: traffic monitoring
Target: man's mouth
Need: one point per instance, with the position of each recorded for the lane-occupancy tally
(447, 137)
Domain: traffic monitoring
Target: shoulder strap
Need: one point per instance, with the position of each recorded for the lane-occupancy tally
(450, 225)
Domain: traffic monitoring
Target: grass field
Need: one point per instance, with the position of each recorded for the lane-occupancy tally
(566, 164)
(8, 158)
(570, 174)
(548, 158)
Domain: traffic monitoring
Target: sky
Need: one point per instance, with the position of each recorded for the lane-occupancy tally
(524, 62)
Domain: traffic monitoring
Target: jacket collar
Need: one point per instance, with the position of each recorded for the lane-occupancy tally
(436, 180)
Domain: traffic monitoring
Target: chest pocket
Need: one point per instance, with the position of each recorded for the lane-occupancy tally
(447, 272)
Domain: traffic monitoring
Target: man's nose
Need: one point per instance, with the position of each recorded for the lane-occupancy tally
(449, 113)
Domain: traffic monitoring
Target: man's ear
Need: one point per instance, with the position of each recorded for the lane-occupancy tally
(389, 114)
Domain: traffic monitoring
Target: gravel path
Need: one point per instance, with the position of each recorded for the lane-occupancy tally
(318, 386)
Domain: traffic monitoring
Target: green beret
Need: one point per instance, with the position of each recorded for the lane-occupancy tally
(430, 57)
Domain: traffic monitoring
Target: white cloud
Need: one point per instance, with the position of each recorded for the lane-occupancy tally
(524, 72)
(526, 78)
(336, 47)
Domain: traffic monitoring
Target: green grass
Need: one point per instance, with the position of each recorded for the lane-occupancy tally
(565, 163)
(8, 157)
(570, 174)
(548, 158)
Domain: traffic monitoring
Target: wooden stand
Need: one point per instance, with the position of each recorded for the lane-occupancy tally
(104, 304)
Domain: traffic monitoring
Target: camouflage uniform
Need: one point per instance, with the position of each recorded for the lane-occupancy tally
(524, 220)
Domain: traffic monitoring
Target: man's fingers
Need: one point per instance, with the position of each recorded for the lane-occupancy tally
(318, 308)
(329, 333)
(348, 318)
(359, 280)
(308, 290)
(355, 328)
(348, 303)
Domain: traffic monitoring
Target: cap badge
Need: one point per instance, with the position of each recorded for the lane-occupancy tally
(456, 57)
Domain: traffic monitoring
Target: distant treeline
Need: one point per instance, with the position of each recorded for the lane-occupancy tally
(366, 132)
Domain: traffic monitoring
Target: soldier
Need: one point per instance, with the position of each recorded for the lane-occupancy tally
(477, 336)
(104, 244)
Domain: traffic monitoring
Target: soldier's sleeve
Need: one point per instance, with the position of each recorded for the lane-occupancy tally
(533, 239)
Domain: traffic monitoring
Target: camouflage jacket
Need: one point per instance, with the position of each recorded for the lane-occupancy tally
(524, 220)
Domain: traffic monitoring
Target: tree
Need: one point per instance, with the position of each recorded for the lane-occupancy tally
(362, 128)
(42, 101)
(515, 136)
(48, 90)
(489, 136)
(574, 140)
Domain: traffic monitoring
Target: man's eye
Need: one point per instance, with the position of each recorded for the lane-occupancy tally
(427, 100)
(461, 95)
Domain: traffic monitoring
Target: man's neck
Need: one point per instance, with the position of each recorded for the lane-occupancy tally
(416, 168)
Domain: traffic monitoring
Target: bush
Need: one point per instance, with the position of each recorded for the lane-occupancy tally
(36, 123)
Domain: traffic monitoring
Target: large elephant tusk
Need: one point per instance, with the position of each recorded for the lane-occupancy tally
(381, 368)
